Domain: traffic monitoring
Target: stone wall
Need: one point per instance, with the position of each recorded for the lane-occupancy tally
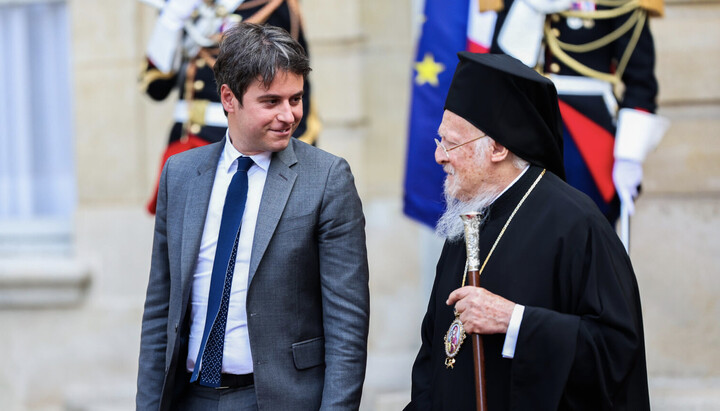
(83, 356)
(675, 247)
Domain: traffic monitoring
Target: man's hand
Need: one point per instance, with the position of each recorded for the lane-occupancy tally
(481, 311)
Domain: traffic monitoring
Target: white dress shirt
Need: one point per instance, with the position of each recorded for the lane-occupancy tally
(237, 358)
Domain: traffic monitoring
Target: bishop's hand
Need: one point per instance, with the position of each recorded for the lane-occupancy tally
(481, 311)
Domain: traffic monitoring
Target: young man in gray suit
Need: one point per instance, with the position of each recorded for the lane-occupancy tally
(258, 290)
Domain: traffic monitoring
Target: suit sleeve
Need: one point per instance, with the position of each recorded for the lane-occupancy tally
(596, 346)
(344, 288)
(153, 340)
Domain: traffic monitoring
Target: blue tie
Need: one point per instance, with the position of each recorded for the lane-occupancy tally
(213, 341)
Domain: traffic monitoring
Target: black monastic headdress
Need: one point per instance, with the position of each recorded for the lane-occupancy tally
(511, 103)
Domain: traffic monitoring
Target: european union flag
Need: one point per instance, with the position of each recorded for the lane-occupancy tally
(443, 36)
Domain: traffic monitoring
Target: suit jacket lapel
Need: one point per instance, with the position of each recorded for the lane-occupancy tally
(196, 206)
(278, 186)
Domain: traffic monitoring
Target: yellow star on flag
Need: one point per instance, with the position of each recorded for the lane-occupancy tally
(428, 70)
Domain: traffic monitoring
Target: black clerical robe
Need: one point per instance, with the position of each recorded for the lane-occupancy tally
(580, 344)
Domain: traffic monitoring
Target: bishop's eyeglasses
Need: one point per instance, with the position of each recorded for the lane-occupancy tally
(446, 150)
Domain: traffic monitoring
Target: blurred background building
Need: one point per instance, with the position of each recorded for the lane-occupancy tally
(79, 151)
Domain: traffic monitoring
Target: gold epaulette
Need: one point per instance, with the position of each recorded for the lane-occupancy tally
(493, 5)
(655, 8)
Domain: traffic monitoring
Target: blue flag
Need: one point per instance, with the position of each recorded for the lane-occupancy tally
(450, 27)
(444, 34)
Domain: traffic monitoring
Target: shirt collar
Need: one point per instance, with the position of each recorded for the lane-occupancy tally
(230, 154)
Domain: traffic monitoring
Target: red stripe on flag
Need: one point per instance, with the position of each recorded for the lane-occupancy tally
(596, 147)
(474, 47)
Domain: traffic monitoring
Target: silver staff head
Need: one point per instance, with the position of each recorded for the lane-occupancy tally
(471, 222)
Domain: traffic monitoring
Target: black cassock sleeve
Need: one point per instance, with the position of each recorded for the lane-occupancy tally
(422, 374)
(584, 357)
(422, 371)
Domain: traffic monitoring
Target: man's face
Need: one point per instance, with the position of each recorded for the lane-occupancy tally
(466, 169)
(268, 117)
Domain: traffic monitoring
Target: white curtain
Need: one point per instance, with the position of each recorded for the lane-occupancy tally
(37, 177)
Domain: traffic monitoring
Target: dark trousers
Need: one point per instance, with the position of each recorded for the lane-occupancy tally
(196, 397)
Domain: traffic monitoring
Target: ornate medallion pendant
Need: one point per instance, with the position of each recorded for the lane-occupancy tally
(453, 340)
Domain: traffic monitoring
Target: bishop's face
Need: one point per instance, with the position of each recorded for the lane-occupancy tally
(465, 157)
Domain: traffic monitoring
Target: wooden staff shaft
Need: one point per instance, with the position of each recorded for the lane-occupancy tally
(478, 356)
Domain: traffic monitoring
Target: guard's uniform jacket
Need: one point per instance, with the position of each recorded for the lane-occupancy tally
(587, 58)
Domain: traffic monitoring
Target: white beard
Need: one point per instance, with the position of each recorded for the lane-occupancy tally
(450, 225)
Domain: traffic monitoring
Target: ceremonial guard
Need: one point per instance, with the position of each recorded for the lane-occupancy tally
(601, 58)
(181, 53)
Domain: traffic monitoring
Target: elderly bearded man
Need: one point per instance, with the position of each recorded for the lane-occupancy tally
(558, 305)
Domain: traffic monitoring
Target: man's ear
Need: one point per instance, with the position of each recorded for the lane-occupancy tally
(228, 99)
(499, 152)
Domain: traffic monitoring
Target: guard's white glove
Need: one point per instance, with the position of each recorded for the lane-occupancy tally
(175, 13)
(638, 133)
(627, 176)
(164, 47)
(522, 32)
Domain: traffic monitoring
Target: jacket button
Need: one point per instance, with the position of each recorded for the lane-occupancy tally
(198, 85)
(555, 68)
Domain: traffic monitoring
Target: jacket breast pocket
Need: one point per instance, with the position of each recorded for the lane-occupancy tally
(309, 353)
(293, 223)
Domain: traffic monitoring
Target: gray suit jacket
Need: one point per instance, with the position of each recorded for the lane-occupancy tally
(307, 301)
